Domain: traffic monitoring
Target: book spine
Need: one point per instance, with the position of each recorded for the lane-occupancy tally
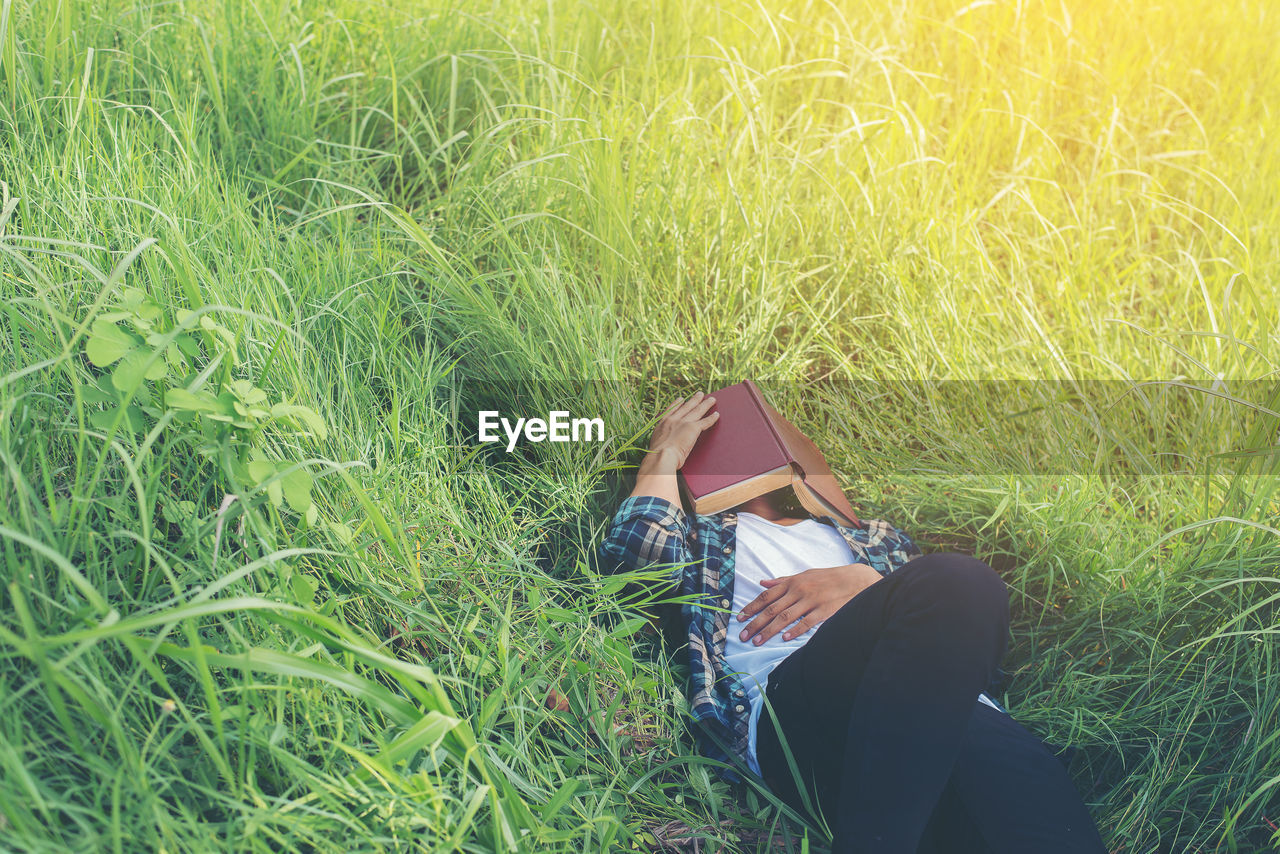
(758, 399)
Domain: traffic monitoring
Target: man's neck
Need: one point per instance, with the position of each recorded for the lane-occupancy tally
(766, 507)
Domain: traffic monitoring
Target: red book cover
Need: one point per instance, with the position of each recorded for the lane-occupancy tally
(752, 449)
(741, 445)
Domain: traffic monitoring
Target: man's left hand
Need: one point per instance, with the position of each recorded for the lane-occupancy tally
(804, 599)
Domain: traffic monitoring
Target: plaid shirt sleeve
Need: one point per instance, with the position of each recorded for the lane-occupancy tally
(879, 544)
(647, 531)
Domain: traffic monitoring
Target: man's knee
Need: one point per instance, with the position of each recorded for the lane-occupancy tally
(961, 579)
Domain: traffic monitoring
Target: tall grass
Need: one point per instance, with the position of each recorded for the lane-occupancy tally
(299, 609)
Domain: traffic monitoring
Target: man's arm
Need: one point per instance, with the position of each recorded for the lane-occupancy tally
(795, 604)
(650, 527)
(656, 476)
(674, 437)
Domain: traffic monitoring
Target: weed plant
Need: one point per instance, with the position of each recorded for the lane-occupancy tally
(1013, 265)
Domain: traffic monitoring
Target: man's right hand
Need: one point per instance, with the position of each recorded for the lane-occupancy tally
(681, 425)
(677, 431)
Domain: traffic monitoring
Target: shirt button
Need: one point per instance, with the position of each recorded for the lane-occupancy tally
(738, 708)
(727, 550)
(724, 603)
(740, 692)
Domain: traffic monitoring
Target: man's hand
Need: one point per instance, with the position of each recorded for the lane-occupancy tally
(805, 599)
(679, 428)
(681, 425)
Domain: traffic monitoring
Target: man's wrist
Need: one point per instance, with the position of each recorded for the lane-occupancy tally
(662, 461)
(657, 475)
(859, 574)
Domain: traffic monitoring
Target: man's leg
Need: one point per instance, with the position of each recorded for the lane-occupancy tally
(876, 703)
(1016, 792)
(951, 829)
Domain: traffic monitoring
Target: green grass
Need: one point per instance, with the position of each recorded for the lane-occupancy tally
(298, 609)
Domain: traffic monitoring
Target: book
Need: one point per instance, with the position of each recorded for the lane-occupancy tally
(752, 450)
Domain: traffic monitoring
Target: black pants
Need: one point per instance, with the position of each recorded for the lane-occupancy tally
(879, 709)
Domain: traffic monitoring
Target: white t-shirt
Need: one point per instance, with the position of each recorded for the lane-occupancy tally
(768, 550)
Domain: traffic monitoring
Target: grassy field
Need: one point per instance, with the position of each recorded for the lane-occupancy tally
(261, 261)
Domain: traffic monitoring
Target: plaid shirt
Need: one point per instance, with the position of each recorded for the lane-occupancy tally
(649, 531)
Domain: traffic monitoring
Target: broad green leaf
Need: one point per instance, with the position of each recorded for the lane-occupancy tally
(108, 343)
(628, 627)
(262, 473)
(260, 470)
(226, 408)
(188, 345)
(95, 393)
(247, 392)
(304, 587)
(141, 324)
(341, 532)
(559, 615)
(173, 355)
(297, 488)
(133, 420)
(612, 586)
(131, 298)
(159, 368)
(250, 413)
(104, 419)
(200, 401)
(149, 310)
(177, 512)
(131, 371)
